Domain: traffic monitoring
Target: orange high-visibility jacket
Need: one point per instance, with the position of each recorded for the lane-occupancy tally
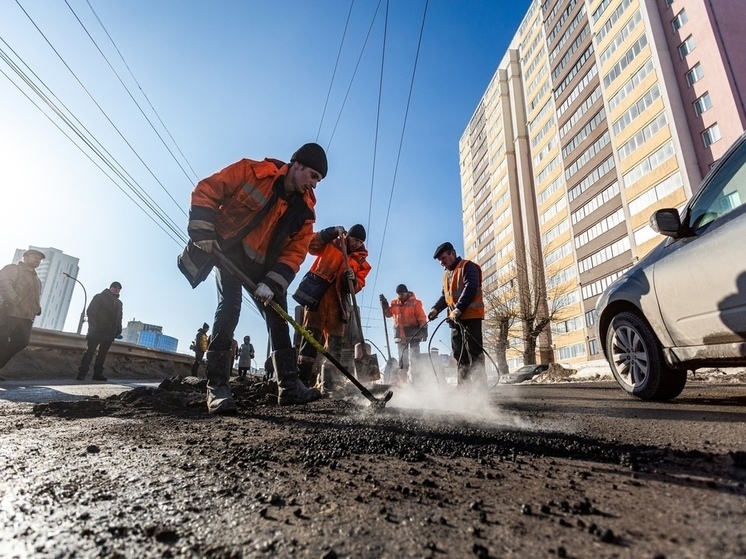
(408, 316)
(226, 202)
(453, 287)
(333, 311)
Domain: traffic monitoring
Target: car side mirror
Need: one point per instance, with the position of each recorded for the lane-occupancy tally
(666, 222)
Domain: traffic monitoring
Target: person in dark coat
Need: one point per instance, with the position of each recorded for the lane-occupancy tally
(20, 295)
(104, 325)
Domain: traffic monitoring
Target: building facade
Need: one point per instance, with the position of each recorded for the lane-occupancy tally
(57, 290)
(601, 112)
(148, 335)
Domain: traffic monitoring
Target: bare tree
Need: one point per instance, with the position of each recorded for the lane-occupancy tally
(544, 298)
(524, 304)
(501, 318)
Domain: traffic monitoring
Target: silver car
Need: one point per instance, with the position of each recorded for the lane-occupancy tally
(683, 306)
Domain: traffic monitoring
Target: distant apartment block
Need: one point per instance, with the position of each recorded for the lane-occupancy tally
(57, 290)
(600, 112)
(148, 335)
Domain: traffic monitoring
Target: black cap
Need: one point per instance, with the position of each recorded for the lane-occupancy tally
(357, 231)
(401, 288)
(312, 155)
(442, 248)
(115, 284)
(34, 252)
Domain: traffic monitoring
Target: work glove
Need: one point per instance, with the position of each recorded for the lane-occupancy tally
(350, 276)
(329, 234)
(384, 302)
(264, 293)
(454, 315)
(208, 245)
(341, 231)
(432, 315)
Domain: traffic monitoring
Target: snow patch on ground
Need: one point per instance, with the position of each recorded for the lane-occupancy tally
(599, 370)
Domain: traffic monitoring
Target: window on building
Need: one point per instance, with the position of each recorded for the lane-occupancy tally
(680, 19)
(694, 75)
(669, 2)
(686, 47)
(711, 135)
(702, 104)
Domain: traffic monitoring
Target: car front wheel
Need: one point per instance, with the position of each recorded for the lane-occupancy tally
(636, 360)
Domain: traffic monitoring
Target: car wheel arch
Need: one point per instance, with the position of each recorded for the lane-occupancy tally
(613, 309)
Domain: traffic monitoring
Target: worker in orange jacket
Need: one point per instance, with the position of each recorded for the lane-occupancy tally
(410, 324)
(326, 318)
(259, 215)
(462, 296)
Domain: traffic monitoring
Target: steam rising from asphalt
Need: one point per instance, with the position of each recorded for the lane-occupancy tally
(435, 396)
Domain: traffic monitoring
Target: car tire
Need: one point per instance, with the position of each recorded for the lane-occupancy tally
(636, 359)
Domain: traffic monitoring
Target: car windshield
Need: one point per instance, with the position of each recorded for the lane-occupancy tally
(526, 369)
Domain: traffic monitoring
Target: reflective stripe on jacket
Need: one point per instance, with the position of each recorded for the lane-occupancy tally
(455, 288)
(225, 203)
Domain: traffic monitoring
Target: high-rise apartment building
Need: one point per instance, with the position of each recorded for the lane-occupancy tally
(57, 290)
(600, 112)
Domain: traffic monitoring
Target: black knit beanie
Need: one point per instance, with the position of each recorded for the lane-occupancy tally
(401, 288)
(312, 155)
(357, 231)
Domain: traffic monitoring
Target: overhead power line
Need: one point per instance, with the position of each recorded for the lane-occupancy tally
(103, 112)
(194, 176)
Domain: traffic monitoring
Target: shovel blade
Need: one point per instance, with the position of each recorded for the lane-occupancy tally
(366, 368)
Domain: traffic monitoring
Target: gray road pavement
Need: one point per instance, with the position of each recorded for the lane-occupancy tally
(38, 391)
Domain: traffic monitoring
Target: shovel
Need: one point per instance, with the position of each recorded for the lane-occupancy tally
(391, 364)
(227, 265)
(366, 365)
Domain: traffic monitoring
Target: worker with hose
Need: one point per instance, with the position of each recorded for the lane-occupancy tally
(258, 216)
(410, 327)
(462, 296)
(324, 296)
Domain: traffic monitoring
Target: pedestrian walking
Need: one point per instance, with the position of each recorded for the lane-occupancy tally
(245, 355)
(20, 304)
(104, 326)
(462, 296)
(260, 216)
(199, 346)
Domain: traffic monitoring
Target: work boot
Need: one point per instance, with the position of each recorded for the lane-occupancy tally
(81, 376)
(305, 374)
(290, 389)
(99, 376)
(219, 397)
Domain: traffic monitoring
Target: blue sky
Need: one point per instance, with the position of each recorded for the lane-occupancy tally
(233, 80)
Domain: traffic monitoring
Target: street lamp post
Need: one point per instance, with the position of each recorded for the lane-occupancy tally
(85, 301)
